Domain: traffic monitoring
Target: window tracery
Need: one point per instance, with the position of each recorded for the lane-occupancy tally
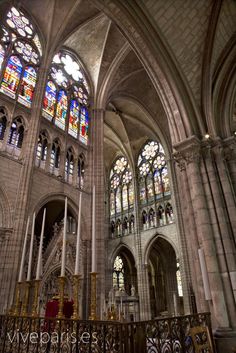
(69, 165)
(118, 273)
(55, 157)
(154, 186)
(42, 148)
(20, 54)
(121, 196)
(16, 134)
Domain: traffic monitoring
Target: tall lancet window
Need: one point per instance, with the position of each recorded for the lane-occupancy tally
(69, 165)
(16, 134)
(154, 185)
(20, 56)
(66, 98)
(121, 196)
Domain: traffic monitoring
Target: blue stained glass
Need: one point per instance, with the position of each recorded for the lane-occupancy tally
(49, 100)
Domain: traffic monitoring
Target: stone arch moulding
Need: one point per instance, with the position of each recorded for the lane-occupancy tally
(224, 94)
(119, 249)
(153, 240)
(59, 197)
(6, 208)
(184, 119)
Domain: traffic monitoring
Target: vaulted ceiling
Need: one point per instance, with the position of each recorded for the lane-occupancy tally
(134, 104)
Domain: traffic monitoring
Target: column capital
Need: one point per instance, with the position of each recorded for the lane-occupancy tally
(229, 149)
(187, 151)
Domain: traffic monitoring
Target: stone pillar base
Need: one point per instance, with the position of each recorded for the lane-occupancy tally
(225, 340)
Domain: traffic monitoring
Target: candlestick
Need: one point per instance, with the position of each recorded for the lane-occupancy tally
(16, 308)
(26, 299)
(61, 280)
(23, 253)
(93, 233)
(63, 256)
(31, 249)
(36, 296)
(38, 271)
(76, 288)
(93, 304)
(78, 236)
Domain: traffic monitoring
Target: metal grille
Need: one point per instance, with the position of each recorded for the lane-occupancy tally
(170, 335)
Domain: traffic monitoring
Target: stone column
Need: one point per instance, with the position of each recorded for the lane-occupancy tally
(97, 179)
(142, 267)
(191, 153)
(218, 189)
(189, 237)
(180, 209)
(75, 172)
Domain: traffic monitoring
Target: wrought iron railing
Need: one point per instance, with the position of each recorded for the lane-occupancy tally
(169, 335)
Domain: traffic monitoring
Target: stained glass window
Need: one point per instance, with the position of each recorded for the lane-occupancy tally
(24, 53)
(84, 124)
(49, 100)
(118, 273)
(16, 134)
(27, 86)
(68, 89)
(61, 110)
(112, 203)
(131, 195)
(154, 184)
(74, 118)
(121, 192)
(11, 76)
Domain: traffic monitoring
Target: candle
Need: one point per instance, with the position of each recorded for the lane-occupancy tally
(23, 253)
(93, 234)
(205, 278)
(78, 237)
(38, 270)
(31, 249)
(121, 304)
(63, 256)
